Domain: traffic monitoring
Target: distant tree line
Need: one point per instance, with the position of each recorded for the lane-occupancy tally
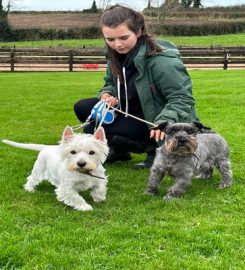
(161, 8)
(164, 9)
(175, 3)
(189, 3)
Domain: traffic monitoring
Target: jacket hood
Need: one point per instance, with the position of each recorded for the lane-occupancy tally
(169, 48)
(170, 53)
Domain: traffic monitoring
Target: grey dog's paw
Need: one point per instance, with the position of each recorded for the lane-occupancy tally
(150, 192)
(224, 185)
(168, 197)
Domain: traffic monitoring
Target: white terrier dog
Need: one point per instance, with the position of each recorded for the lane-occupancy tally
(72, 166)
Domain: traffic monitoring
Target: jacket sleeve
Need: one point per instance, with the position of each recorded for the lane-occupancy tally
(174, 84)
(110, 84)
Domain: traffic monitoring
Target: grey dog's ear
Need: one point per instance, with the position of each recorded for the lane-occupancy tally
(200, 126)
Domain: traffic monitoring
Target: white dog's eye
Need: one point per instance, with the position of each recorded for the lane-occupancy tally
(73, 152)
(91, 152)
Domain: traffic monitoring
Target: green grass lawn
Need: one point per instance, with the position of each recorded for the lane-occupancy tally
(202, 230)
(215, 40)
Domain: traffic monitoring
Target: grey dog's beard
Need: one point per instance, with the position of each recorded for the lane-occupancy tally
(172, 146)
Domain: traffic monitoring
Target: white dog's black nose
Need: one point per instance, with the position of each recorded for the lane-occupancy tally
(81, 164)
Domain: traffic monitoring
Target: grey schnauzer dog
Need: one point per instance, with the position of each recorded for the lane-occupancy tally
(190, 151)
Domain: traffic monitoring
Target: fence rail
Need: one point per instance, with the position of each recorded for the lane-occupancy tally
(60, 59)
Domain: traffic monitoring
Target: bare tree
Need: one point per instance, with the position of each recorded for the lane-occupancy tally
(1, 8)
(5, 29)
(149, 3)
(168, 6)
(186, 3)
(9, 5)
(157, 4)
(164, 7)
(104, 4)
(151, 10)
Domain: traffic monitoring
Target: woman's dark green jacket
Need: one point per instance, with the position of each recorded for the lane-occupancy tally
(163, 85)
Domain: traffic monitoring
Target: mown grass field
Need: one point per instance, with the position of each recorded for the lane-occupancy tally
(218, 40)
(203, 230)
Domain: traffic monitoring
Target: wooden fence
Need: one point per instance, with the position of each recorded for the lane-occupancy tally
(60, 59)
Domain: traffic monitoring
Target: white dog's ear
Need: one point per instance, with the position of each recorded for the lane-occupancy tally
(100, 135)
(68, 133)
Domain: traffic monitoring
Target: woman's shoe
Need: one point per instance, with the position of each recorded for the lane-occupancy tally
(117, 155)
(147, 163)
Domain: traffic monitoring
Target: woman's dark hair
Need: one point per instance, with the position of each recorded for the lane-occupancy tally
(119, 14)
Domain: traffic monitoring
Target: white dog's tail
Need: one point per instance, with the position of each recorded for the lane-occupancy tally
(29, 146)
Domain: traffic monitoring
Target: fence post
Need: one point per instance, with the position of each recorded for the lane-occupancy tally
(12, 55)
(226, 60)
(70, 60)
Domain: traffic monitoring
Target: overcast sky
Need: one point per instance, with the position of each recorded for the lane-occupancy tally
(84, 4)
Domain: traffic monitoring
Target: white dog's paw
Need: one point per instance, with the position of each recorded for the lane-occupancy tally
(84, 207)
(29, 188)
(99, 199)
(98, 196)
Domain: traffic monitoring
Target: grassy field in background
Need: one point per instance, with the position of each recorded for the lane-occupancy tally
(222, 40)
(203, 230)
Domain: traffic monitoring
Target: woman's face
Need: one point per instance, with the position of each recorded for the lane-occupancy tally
(120, 38)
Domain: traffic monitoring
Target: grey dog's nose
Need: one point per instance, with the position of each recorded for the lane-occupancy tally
(81, 164)
(182, 140)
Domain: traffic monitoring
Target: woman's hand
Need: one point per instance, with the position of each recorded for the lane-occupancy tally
(109, 98)
(157, 134)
